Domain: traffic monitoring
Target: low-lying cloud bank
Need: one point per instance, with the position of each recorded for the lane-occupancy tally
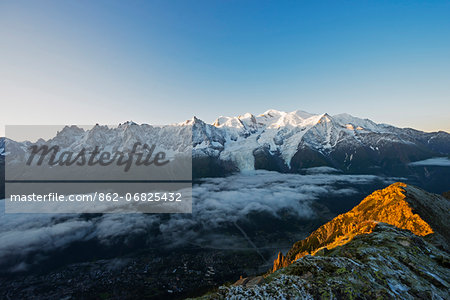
(437, 161)
(217, 202)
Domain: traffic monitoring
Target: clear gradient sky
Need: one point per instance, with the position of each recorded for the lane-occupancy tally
(86, 62)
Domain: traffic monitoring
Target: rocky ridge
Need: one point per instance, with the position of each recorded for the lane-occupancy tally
(394, 244)
(390, 205)
(389, 263)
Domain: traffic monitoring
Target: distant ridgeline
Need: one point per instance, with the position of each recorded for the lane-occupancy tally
(292, 142)
(296, 141)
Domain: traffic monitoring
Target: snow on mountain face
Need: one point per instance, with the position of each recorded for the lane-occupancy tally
(172, 139)
(274, 140)
(284, 134)
(275, 130)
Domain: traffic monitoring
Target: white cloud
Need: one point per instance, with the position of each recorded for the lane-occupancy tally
(217, 203)
(437, 161)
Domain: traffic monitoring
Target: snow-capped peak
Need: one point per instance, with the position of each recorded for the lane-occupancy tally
(236, 141)
(272, 119)
(272, 113)
(235, 138)
(127, 123)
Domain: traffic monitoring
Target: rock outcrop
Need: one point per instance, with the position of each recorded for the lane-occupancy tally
(388, 263)
(280, 262)
(394, 244)
(395, 205)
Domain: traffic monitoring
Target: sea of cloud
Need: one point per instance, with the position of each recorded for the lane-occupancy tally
(217, 202)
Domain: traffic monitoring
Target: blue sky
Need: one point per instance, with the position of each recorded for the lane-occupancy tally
(86, 62)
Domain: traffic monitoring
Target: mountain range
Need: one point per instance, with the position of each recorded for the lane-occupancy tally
(291, 142)
(287, 142)
(394, 244)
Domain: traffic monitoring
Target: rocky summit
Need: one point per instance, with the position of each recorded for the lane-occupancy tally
(394, 244)
(392, 205)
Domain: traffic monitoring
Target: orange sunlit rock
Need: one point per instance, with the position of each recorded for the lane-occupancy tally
(280, 262)
(387, 205)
